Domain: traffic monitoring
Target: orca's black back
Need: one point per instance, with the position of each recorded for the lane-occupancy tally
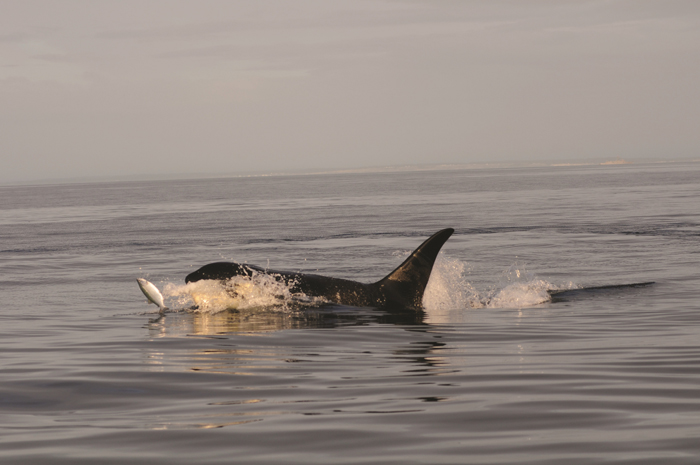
(222, 271)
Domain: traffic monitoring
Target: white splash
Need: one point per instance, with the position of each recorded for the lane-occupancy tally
(519, 288)
(450, 289)
(238, 293)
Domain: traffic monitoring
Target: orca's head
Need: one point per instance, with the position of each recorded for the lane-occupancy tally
(219, 271)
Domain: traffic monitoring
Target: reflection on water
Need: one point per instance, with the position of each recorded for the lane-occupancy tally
(268, 320)
(335, 362)
(246, 342)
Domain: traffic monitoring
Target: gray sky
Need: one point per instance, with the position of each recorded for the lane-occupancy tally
(95, 88)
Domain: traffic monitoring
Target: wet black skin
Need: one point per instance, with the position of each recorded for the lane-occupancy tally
(402, 289)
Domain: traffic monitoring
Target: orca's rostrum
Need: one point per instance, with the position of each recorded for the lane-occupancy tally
(403, 288)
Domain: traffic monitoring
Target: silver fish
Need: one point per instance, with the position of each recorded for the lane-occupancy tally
(152, 293)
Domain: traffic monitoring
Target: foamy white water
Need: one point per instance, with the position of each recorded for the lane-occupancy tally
(260, 291)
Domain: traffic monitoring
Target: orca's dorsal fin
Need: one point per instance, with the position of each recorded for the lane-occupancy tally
(406, 284)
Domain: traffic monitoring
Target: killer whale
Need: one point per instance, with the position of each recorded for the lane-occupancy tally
(402, 289)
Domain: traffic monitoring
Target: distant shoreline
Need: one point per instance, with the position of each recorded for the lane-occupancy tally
(368, 170)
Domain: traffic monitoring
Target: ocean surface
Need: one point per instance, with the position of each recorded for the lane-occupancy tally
(495, 371)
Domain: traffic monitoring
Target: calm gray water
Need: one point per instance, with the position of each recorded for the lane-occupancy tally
(490, 373)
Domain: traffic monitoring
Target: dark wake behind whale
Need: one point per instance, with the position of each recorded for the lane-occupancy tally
(403, 288)
(566, 295)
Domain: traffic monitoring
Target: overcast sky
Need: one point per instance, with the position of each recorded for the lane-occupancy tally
(95, 88)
